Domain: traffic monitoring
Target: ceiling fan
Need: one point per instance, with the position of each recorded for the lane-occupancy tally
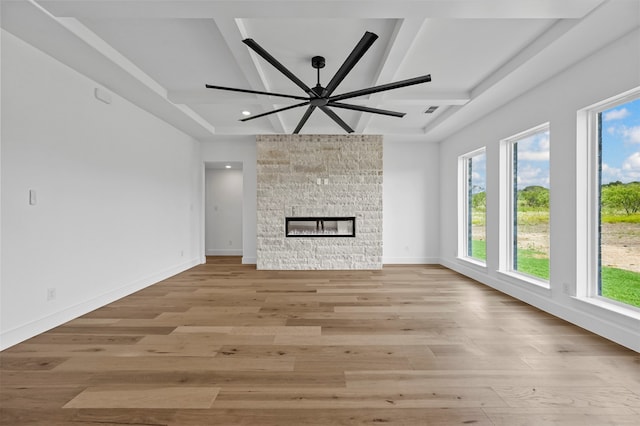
(322, 97)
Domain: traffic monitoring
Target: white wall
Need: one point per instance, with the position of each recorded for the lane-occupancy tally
(606, 73)
(410, 202)
(118, 195)
(241, 149)
(223, 212)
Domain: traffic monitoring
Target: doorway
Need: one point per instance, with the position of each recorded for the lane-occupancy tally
(223, 208)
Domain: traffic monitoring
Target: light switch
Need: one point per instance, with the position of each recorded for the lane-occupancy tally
(319, 181)
(32, 197)
(326, 181)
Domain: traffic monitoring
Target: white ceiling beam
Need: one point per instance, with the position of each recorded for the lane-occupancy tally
(75, 45)
(553, 33)
(561, 46)
(213, 97)
(545, 40)
(403, 37)
(222, 97)
(233, 32)
(101, 46)
(427, 98)
(224, 9)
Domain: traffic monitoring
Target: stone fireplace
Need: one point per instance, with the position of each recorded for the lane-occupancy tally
(312, 192)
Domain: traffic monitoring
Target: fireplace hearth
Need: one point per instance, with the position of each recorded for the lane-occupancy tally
(320, 226)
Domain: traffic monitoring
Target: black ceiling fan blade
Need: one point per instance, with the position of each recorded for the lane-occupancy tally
(275, 111)
(255, 92)
(382, 88)
(361, 48)
(337, 119)
(366, 109)
(304, 119)
(273, 61)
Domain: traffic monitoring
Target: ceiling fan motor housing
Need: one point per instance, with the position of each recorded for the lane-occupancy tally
(317, 62)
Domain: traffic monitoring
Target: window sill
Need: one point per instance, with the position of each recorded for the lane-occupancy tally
(526, 280)
(474, 262)
(611, 307)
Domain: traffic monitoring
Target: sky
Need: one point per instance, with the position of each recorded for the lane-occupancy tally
(533, 160)
(620, 151)
(621, 143)
(533, 163)
(478, 173)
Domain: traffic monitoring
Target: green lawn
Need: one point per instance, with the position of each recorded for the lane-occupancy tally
(530, 262)
(479, 249)
(540, 217)
(617, 284)
(608, 217)
(621, 285)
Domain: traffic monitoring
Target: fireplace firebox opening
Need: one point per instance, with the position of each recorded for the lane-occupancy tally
(320, 226)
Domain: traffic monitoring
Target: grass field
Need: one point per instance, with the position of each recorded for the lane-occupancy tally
(530, 262)
(617, 284)
(621, 285)
(479, 249)
(620, 218)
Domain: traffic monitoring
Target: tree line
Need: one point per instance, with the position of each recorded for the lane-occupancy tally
(535, 197)
(615, 196)
(621, 196)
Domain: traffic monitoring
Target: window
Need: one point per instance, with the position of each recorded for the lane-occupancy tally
(473, 206)
(525, 204)
(613, 201)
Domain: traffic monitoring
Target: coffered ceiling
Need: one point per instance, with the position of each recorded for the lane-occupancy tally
(160, 54)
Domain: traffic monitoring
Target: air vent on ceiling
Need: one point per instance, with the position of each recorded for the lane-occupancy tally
(431, 110)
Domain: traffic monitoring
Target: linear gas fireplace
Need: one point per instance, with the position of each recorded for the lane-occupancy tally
(320, 227)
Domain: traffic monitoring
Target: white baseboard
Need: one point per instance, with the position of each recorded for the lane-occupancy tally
(612, 326)
(249, 260)
(410, 260)
(26, 331)
(223, 252)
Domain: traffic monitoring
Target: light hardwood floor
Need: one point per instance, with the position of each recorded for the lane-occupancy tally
(224, 344)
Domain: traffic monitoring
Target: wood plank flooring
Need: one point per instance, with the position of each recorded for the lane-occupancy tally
(224, 344)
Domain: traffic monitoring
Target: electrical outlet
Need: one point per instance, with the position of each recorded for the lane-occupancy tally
(230, 242)
(51, 294)
(566, 288)
(181, 253)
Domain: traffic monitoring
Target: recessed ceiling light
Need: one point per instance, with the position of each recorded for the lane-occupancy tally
(246, 113)
(228, 166)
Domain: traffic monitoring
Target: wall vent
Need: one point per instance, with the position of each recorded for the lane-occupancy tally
(431, 110)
